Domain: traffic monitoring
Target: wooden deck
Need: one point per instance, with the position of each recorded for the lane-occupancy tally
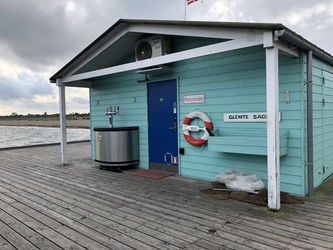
(44, 205)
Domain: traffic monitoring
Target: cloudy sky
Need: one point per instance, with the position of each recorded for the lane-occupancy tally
(38, 37)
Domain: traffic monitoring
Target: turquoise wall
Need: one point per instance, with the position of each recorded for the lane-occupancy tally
(322, 120)
(231, 82)
(121, 90)
(235, 82)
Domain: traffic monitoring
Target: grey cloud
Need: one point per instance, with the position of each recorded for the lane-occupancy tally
(41, 36)
(80, 100)
(40, 32)
(77, 104)
(275, 10)
(26, 86)
(314, 26)
(28, 107)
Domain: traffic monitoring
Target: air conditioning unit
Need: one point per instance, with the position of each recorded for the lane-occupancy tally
(152, 47)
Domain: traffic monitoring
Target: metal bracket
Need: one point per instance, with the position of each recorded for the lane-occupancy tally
(287, 96)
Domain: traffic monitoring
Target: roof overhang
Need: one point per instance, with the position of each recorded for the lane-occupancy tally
(102, 56)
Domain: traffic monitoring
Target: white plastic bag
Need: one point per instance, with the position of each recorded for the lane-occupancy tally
(241, 180)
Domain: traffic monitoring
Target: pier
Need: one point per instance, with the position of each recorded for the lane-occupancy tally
(45, 205)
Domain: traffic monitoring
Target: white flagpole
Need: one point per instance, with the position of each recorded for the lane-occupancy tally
(185, 9)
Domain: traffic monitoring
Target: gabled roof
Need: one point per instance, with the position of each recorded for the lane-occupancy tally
(119, 40)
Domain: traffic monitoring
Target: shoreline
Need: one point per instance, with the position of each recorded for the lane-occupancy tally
(41, 145)
(46, 123)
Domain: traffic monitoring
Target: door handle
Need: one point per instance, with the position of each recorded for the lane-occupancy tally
(174, 128)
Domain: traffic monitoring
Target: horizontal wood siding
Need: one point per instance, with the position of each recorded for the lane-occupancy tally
(121, 90)
(322, 120)
(234, 82)
(231, 82)
(125, 91)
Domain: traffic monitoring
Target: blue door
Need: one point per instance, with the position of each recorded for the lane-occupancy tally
(162, 126)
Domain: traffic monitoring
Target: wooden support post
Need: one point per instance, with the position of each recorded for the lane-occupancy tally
(63, 131)
(272, 103)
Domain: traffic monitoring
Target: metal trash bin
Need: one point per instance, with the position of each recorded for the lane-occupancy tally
(116, 147)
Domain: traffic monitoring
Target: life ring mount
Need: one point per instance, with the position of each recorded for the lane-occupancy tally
(187, 128)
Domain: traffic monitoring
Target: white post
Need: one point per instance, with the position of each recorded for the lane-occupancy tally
(63, 132)
(272, 104)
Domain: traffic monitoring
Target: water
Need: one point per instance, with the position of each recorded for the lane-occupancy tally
(16, 136)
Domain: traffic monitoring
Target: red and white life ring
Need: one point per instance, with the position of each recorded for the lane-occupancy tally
(187, 128)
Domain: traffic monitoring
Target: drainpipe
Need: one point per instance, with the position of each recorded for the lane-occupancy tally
(312, 50)
(310, 122)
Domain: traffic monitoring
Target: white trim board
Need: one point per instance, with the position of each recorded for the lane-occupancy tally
(183, 55)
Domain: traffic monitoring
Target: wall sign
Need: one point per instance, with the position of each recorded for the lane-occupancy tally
(246, 117)
(191, 99)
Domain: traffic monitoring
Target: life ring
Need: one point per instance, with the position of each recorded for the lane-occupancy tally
(187, 128)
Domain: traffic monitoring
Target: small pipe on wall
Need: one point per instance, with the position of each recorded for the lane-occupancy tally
(309, 123)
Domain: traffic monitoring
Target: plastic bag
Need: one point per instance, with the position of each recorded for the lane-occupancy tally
(240, 180)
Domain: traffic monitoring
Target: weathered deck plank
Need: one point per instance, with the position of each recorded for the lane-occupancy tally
(5, 245)
(44, 205)
(41, 229)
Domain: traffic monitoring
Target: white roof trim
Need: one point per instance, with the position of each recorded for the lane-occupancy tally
(194, 31)
(183, 55)
(98, 49)
(209, 32)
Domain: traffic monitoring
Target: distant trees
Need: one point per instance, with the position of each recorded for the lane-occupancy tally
(78, 116)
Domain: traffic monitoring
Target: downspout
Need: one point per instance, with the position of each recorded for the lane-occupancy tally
(310, 123)
(312, 50)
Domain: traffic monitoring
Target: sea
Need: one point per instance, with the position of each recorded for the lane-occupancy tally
(17, 136)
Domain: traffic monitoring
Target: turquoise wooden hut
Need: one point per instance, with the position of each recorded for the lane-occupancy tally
(213, 96)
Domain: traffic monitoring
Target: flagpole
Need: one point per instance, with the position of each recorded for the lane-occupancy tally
(185, 9)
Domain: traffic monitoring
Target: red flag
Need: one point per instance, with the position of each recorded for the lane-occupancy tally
(191, 1)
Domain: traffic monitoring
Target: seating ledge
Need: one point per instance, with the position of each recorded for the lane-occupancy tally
(246, 144)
